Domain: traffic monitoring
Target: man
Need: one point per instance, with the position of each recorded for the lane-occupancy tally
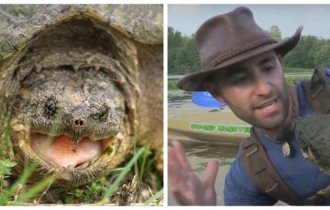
(242, 66)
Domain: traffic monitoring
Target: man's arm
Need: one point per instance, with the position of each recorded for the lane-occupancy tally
(185, 185)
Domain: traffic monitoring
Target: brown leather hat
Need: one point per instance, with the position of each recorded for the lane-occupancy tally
(228, 39)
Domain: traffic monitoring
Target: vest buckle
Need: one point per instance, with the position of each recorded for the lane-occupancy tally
(251, 150)
(317, 91)
(269, 189)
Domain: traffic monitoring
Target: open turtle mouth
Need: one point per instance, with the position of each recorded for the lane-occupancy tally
(62, 151)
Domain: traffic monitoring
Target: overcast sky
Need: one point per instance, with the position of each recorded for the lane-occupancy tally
(315, 18)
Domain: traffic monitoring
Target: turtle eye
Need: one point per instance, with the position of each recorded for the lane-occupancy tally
(50, 106)
(100, 113)
(103, 113)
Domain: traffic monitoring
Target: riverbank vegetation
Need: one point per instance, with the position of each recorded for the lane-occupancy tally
(311, 52)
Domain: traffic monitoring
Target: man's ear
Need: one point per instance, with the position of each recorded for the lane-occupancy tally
(280, 59)
(215, 92)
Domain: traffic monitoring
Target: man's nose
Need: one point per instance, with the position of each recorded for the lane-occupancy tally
(262, 87)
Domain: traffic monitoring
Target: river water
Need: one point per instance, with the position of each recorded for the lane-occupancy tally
(200, 152)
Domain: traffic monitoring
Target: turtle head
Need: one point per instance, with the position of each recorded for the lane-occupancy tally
(77, 104)
(68, 119)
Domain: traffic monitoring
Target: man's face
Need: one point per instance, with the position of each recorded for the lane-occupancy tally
(255, 90)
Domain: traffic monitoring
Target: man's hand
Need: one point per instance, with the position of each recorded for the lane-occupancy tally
(185, 185)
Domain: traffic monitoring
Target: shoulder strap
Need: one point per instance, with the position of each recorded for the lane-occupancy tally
(266, 178)
(263, 173)
(317, 91)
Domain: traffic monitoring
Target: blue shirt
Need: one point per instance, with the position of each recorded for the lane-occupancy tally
(302, 176)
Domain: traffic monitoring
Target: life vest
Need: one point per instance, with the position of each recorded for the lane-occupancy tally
(257, 163)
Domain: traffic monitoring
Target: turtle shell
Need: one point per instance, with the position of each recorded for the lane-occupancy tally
(20, 24)
(313, 134)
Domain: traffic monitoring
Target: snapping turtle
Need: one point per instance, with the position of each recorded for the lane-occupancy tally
(79, 84)
(313, 134)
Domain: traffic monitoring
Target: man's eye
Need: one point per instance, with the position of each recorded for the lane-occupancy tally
(238, 78)
(269, 67)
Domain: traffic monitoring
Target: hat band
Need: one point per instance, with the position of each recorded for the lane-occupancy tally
(248, 46)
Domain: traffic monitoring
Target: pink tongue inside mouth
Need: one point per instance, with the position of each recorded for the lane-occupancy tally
(61, 151)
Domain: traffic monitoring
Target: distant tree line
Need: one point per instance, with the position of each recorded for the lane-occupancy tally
(310, 52)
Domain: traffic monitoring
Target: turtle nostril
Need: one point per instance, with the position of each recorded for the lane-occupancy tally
(79, 122)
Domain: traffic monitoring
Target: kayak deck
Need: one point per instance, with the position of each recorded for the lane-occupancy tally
(207, 124)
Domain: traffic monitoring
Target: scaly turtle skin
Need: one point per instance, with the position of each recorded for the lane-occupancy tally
(79, 84)
(313, 134)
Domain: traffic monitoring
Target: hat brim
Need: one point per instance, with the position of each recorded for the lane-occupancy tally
(196, 81)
